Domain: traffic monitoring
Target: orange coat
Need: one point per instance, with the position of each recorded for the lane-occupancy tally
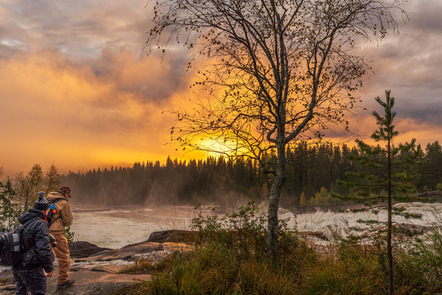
(63, 217)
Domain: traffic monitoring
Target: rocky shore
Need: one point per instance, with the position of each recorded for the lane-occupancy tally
(95, 270)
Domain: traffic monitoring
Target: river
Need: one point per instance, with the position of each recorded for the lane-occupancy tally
(116, 227)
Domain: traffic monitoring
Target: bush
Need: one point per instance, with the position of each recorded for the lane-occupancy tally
(349, 269)
(230, 258)
(421, 268)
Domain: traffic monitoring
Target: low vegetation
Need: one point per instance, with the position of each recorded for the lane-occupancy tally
(3, 281)
(230, 258)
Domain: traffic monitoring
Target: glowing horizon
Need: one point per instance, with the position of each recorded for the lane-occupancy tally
(78, 91)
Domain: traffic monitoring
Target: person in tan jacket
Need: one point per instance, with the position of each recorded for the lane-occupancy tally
(61, 218)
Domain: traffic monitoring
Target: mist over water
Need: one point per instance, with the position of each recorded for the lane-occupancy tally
(114, 227)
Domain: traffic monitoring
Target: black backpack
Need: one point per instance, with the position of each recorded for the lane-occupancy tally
(53, 210)
(13, 251)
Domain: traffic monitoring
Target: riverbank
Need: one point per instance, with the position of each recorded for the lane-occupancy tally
(96, 270)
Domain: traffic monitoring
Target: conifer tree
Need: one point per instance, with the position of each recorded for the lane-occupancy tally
(52, 180)
(8, 208)
(387, 175)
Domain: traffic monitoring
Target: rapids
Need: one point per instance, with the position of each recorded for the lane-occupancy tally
(115, 228)
(112, 227)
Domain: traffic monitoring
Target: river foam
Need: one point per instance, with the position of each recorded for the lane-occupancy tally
(115, 228)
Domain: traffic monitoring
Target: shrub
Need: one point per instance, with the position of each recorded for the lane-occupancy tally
(421, 268)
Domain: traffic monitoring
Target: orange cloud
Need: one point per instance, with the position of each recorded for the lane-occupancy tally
(364, 124)
(53, 112)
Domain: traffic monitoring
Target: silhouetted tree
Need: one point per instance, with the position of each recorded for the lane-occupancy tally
(276, 70)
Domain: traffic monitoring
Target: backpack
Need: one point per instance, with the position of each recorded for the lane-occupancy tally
(12, 247)
(53, 210)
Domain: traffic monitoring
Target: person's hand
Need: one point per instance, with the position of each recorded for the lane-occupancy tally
(48, 275)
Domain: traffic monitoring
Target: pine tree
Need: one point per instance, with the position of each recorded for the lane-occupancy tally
(52, 180)
(8, 208)
(431, 168)
(387, 174)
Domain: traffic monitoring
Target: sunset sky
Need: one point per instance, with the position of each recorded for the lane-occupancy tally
(77, 90)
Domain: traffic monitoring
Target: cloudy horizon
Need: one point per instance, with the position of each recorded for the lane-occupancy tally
(78, 90)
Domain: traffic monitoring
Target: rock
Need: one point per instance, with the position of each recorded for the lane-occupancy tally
(95, 271)
(7, 288)
(81, 249)
(95, 282)
(175, 236)
(126, 253)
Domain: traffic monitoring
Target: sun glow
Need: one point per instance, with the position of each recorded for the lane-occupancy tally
(219, 147)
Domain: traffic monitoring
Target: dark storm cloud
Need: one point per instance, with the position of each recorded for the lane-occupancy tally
(410, 64)
(427, 15)
(148, 76)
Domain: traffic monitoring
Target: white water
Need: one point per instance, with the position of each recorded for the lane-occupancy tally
(328, 222)
(115, 228)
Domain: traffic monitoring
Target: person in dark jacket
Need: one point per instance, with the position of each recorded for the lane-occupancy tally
(38, 261)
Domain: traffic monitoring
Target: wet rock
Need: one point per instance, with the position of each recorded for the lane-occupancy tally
(95, 282)
(95, 272)
(81, 249)
(127, 253)
(176, 236)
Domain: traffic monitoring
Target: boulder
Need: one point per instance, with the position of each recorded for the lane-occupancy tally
(81, 249)
(176, 236)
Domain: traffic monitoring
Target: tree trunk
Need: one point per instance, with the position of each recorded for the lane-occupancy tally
(275, 192)
(389, 228)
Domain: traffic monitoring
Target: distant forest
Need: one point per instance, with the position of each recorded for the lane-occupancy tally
(312, 172)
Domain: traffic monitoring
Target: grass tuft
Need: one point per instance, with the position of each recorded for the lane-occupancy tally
(230, 258)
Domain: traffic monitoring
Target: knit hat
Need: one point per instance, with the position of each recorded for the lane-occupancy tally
(41, 203)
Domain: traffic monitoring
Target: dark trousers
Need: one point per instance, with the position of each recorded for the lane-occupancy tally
(29, 280)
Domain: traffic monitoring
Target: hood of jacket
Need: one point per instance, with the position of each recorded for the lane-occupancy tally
(36, 242)
(63, 216)
(56, 195)
(32, 214)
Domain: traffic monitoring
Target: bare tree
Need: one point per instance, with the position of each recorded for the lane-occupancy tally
(273, 71)
(27, 186)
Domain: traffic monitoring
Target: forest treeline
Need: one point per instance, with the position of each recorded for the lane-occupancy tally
(312, 172)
